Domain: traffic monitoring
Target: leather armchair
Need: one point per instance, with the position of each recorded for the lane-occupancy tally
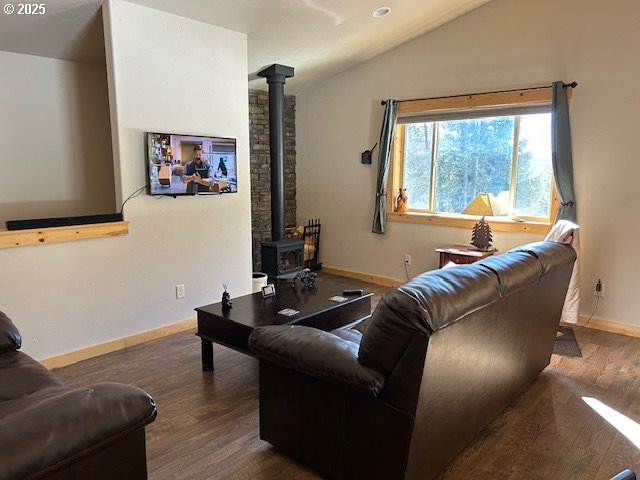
(400, 394)
(48, 431)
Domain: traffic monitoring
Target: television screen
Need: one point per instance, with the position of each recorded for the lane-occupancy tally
(190, 164)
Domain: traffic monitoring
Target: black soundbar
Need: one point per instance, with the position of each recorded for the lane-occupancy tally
(63, 221)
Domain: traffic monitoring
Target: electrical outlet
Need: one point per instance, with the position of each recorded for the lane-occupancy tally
(180, 291)
(407, 259)
(598, 290)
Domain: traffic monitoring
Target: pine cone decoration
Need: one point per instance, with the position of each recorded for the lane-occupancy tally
(481, 237)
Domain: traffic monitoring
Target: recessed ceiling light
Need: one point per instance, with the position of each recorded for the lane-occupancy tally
(381, 12)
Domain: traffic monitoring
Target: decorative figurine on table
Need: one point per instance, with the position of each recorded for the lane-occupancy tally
(307, 278)
(481, 236)
(226, 298)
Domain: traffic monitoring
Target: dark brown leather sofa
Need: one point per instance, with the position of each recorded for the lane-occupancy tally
(400, 394)
(51, 432)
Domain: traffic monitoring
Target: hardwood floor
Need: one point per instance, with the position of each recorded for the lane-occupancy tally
(207, 425)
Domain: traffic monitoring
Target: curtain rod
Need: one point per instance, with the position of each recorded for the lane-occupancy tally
(566, 85)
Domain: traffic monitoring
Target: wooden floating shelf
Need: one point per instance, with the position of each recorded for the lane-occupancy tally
(42, 236)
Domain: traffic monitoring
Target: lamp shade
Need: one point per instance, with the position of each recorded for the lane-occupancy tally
(485, 204)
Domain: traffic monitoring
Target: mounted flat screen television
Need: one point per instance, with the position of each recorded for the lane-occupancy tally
(189, 164)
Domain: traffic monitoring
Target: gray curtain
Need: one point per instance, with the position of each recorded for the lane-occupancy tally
(384, 154)
(561, 153)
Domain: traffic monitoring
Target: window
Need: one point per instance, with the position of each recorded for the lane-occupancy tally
(448, 151)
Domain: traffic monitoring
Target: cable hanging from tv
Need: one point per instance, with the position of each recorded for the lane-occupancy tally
(133, 195)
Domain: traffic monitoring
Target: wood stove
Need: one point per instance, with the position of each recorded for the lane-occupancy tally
(281, 257)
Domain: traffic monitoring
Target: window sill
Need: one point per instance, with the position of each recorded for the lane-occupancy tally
(41, 236)
(460, 221)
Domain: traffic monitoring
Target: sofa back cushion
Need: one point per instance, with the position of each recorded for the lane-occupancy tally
(10, 338)
(514, 270)
(435, 299)
(551, 255)
(428, 302)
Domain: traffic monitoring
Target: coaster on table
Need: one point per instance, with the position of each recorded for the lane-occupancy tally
(338, 299)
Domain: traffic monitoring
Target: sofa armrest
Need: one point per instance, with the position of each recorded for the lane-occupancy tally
(56, 426)
(10, 338)
(316, 353)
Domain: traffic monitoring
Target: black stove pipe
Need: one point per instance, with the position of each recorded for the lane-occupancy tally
(276, 76)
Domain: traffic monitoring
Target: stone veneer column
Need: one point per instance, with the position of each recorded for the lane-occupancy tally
(261, 169)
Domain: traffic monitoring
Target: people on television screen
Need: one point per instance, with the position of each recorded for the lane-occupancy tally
(222, 167)
(197, 173)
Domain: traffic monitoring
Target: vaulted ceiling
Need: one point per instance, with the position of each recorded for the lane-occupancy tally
(317, 37)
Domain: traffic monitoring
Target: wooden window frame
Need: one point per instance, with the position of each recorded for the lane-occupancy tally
(489, 101)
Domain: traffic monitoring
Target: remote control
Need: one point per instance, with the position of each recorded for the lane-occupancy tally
(353, 291)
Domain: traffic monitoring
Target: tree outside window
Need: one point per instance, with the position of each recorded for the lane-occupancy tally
(447, 163)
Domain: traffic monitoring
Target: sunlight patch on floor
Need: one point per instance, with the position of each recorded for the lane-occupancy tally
(620, 422)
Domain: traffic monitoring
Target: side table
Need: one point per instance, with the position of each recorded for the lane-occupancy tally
(462, 254)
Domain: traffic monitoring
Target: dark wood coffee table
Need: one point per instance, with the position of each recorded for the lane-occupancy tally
(232, 327)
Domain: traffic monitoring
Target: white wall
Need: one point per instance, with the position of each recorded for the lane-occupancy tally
(56, 141)
(505, 44)
(166, 73)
